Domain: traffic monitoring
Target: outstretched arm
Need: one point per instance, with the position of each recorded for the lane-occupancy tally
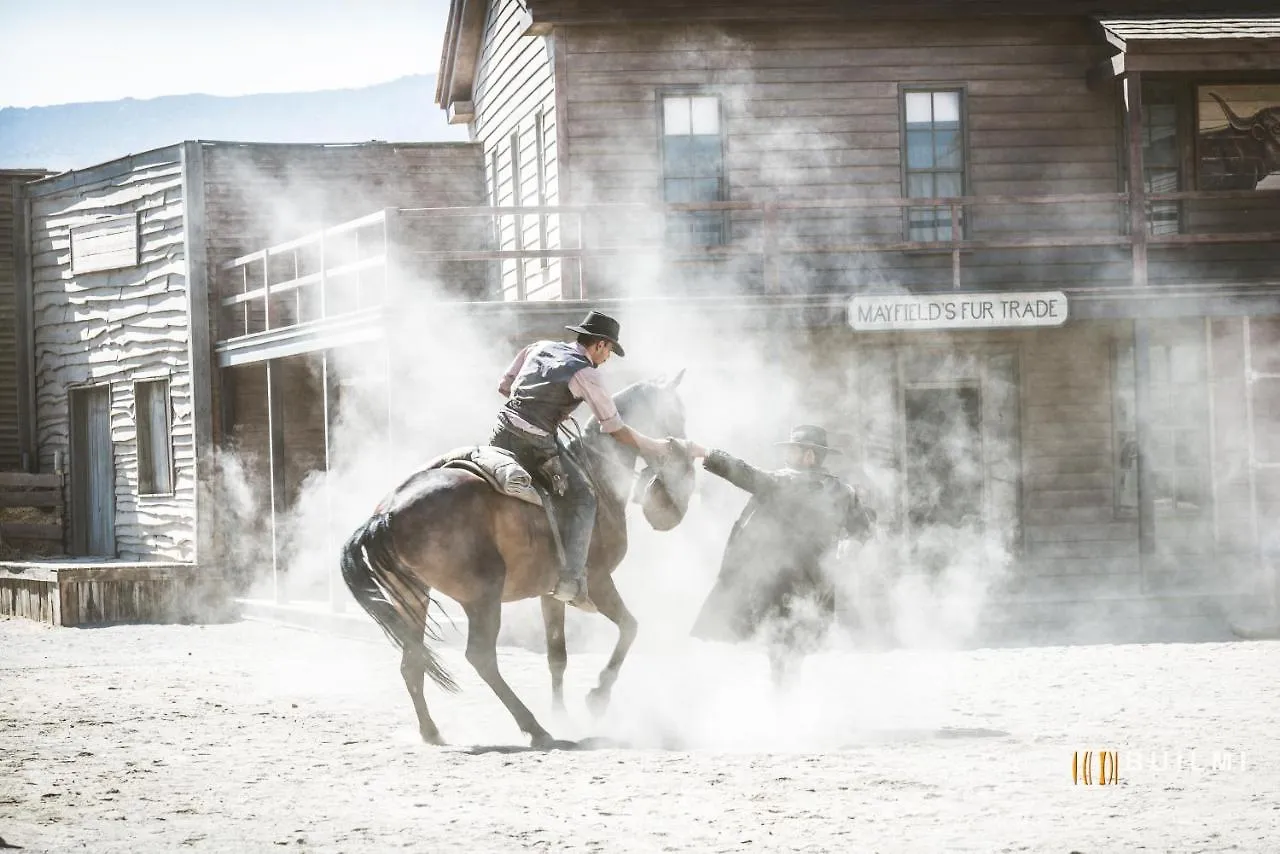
(586, 385)
(742, 475)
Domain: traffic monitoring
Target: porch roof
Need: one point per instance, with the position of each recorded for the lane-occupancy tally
(1203, 44)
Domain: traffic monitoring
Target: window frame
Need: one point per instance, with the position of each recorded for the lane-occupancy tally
(962, 89)
(660, 97)
(167, 382)
(1182, 92)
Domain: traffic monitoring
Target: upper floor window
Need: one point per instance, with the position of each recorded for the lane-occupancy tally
(1163, 111)
(693, 167)
(933, 158)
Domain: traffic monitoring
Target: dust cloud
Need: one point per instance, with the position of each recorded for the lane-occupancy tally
(917, 587)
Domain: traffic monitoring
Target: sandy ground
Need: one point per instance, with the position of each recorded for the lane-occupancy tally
(252, 737)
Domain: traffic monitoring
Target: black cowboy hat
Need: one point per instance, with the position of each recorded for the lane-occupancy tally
(809, 436)
(601, 326)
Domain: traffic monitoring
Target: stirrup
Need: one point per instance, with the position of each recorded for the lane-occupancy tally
(574, 592)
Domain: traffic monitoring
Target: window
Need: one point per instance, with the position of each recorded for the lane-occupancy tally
(933, 158)
(1179, 440)
(155, 463)
(693, 167)
(1161, 154)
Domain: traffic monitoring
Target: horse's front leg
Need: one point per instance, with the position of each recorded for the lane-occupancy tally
(557, 655)
(605, 594)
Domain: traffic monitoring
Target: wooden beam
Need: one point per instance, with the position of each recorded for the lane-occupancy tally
(571, 278)
(1142, 429)
(1137, 182)
(24, 330)
(275, 468)
(345, 329)
(23, 480)
(1238, 60)
(328, 399)
(200, 337)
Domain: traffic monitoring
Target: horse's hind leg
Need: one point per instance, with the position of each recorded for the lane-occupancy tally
(413, 671)
(483, 620)
(605, 594)
(557, 655)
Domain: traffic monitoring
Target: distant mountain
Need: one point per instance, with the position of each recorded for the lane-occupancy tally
(73, 136)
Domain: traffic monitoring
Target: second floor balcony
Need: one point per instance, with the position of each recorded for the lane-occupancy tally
(1225, 243)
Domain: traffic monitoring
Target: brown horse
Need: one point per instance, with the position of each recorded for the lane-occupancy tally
(446, 530)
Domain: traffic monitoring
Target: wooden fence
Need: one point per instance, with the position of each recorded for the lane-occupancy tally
(37, 492)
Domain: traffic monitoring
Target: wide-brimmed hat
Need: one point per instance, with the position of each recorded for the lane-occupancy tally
(809, 436)
(602, 326)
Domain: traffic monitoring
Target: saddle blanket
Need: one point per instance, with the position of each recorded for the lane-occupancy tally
(496, 466)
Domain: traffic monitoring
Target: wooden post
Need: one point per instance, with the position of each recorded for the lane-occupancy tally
(327, 398)
(206, 378)
(24, 309)
(266, 291)
(769, 257)
(1137, 181)
(955, 246)
(1142, 428)
(275, 464)
(324, 281)
(1251, 439)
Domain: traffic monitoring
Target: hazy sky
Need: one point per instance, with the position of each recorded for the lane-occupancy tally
(67, 51)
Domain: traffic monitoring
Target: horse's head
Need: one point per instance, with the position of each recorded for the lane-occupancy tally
(665, 487)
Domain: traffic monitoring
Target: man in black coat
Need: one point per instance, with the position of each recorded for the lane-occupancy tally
(773, 584)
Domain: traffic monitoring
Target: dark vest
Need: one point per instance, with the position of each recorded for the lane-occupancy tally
(540, 393)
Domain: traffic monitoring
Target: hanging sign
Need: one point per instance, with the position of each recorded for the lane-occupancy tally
(958, 311)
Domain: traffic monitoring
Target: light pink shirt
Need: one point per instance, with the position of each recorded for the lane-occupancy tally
(584, 385)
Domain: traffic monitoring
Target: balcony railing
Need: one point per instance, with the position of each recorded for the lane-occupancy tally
(1071, 240)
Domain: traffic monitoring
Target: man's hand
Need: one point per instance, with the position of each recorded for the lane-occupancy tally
(694, 450)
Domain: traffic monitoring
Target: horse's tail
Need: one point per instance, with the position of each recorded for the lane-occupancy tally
(368, 563)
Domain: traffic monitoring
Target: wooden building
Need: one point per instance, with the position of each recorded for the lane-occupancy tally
(11, 241)
(123, 394)
(926, 188)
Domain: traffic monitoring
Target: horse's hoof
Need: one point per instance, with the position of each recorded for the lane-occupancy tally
(435, 740)
(546, 742)
(597, 702)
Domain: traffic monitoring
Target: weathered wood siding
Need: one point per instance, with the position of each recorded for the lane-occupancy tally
(813, 111)
(1076, 541)
(114, 327)
(10, 211)
(517, 125)
(62, 594)
(682, 11)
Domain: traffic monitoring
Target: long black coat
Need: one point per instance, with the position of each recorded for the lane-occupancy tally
(774, 558)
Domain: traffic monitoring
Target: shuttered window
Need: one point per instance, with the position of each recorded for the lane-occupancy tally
(933, 158)
(693, 167)
(155, 463)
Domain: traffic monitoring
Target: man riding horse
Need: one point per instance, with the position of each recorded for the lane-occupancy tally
(544, 385)
(772, 582)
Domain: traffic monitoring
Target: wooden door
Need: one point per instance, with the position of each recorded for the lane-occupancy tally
(93, 530)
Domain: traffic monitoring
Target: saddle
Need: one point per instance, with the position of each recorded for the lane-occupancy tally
(496, 467)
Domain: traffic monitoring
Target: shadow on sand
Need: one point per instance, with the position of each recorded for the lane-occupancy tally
(871, 737)
(584, 744)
